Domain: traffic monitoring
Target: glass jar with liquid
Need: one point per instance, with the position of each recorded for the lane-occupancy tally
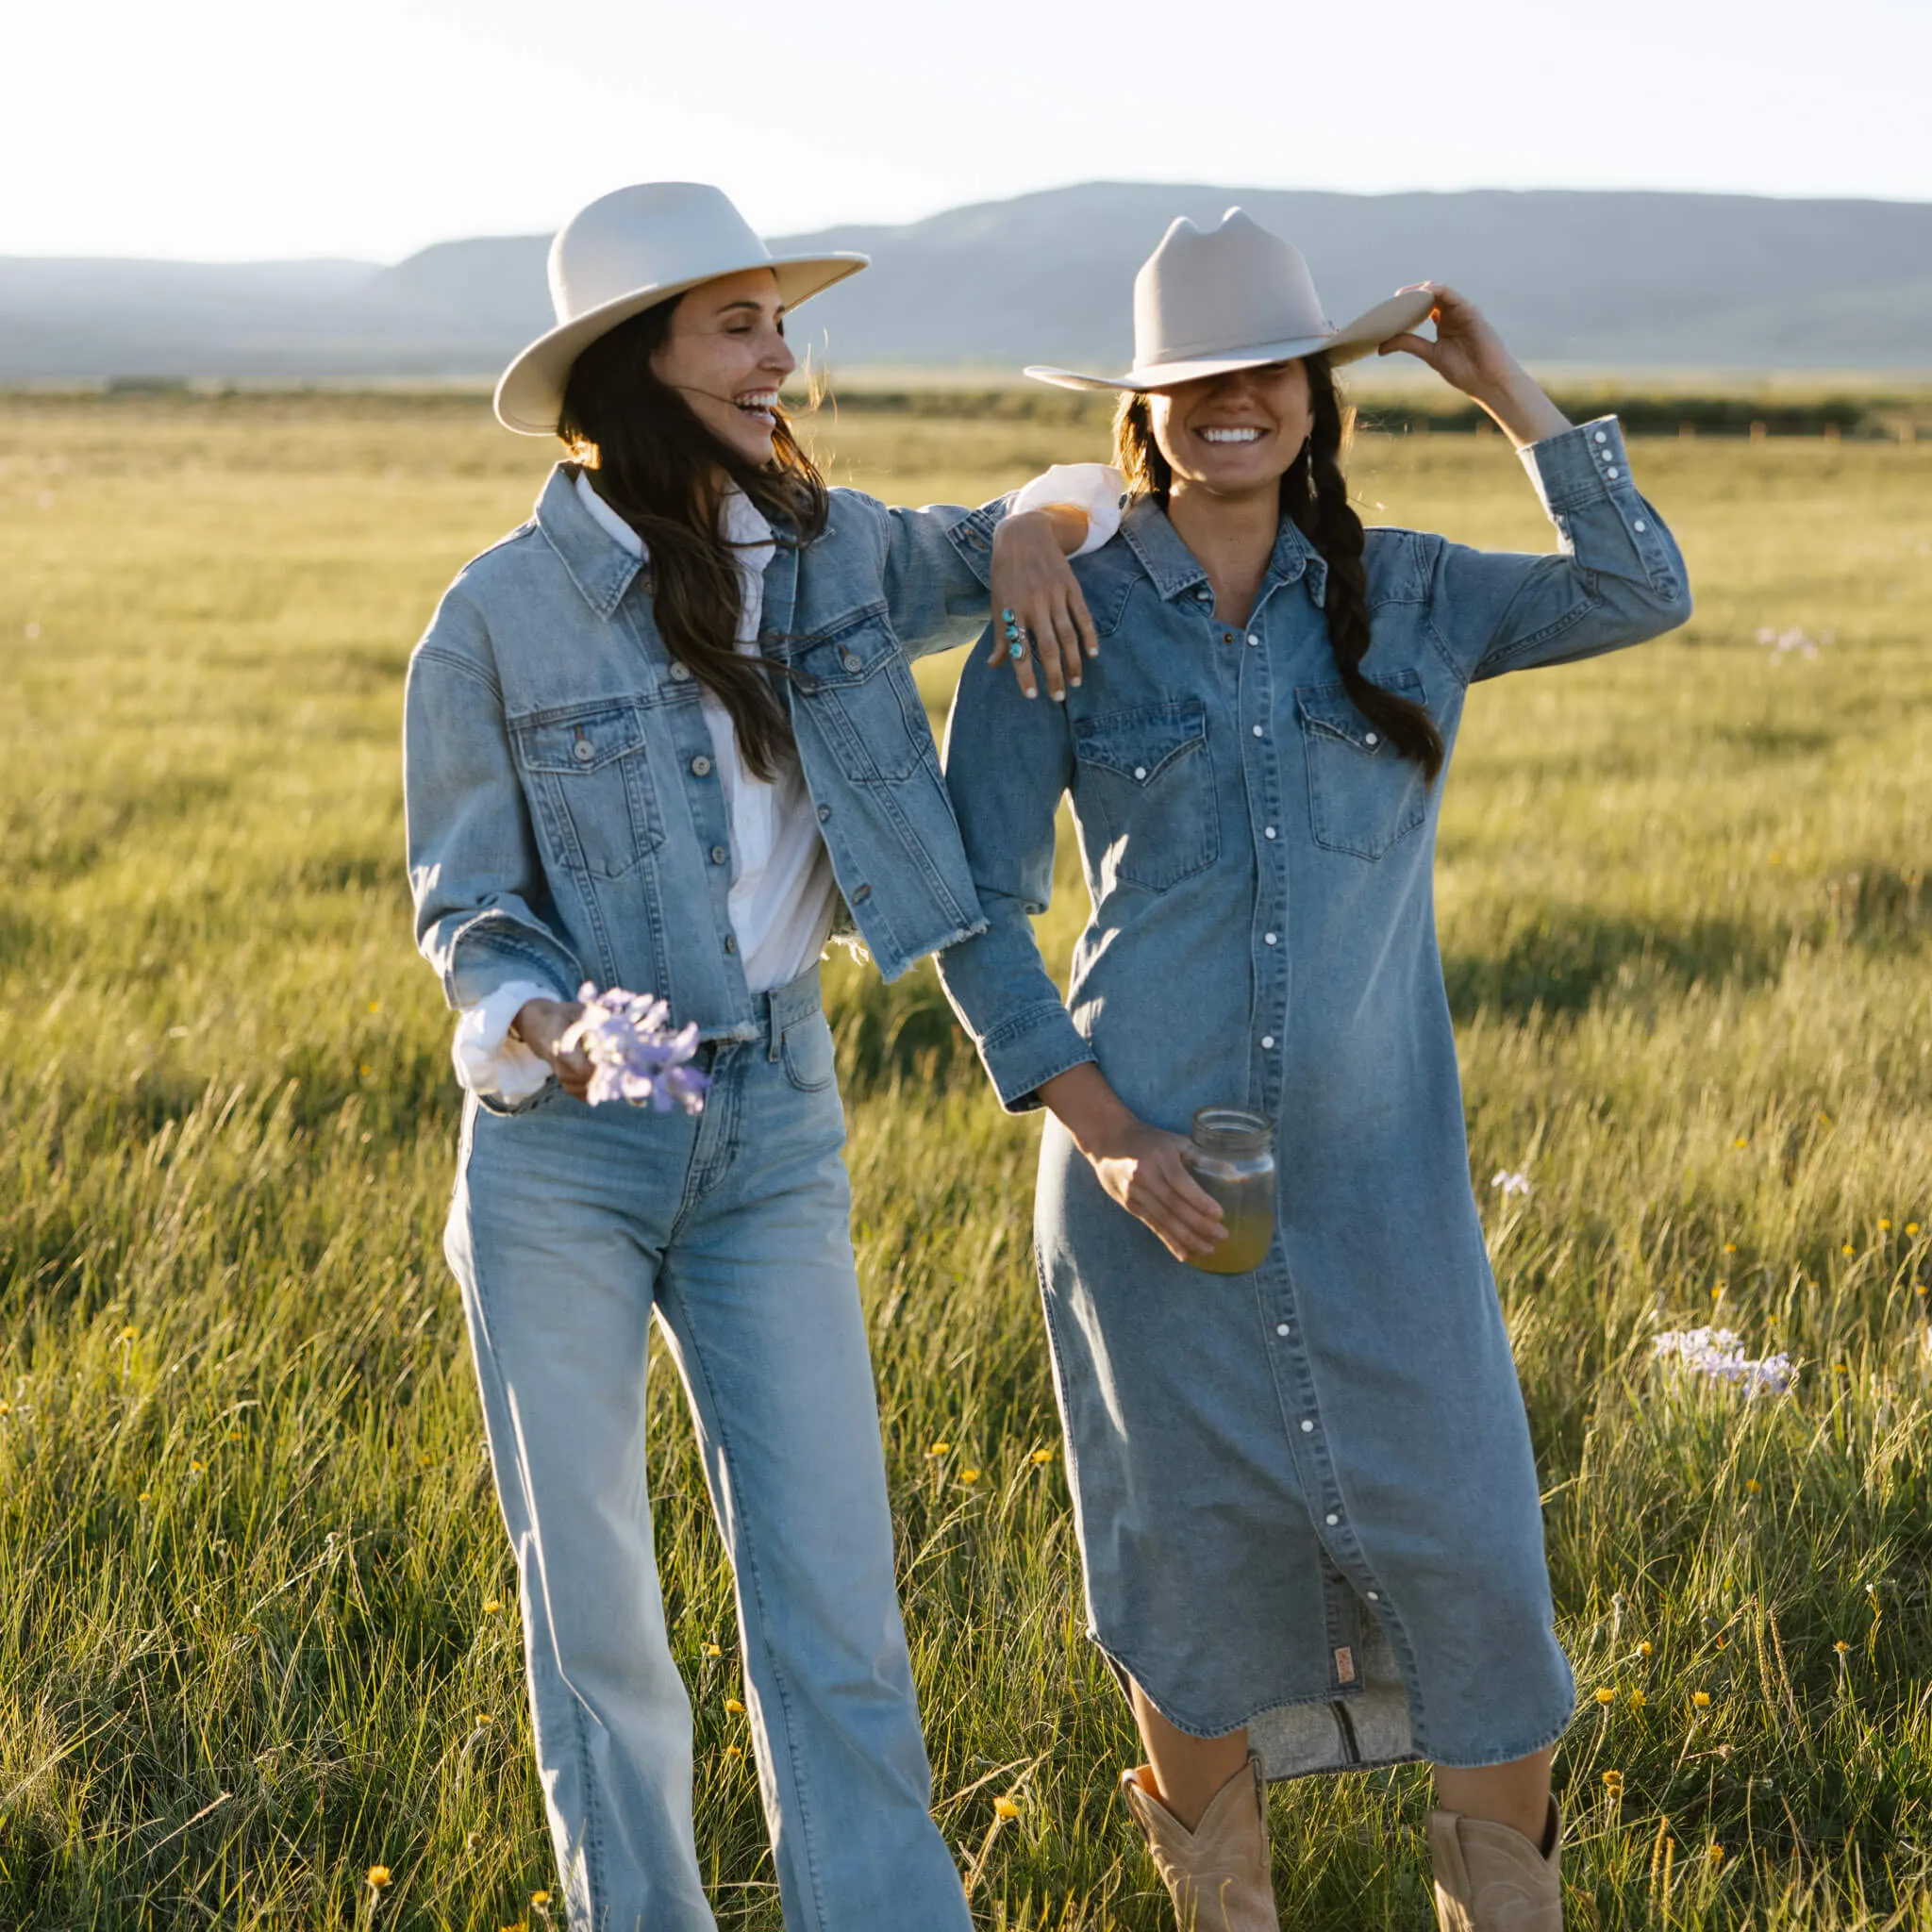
(1233, 1159)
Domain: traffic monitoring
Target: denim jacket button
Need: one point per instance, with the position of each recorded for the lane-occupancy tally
(852, 661)
(680, 671)
(700, 766)
(583, 751)
(719, 855)
(731, 942)
(825, 812)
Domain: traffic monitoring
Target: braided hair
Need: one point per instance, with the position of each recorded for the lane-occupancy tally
(1315, 497)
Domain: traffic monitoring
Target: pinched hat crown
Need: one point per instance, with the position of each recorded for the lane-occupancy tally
(1207, 302)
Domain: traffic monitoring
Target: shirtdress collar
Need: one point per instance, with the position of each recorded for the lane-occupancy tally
(1171, 567)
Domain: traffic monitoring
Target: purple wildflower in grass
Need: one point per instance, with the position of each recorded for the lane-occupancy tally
(627, 1039)
(1719, 1352)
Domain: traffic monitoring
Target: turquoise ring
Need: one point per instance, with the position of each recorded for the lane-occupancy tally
(1016, 650)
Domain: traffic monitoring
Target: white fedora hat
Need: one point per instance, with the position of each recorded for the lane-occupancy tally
(1235, 298)
(626, 251)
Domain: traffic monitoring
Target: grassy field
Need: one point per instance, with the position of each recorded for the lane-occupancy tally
(256, 1613)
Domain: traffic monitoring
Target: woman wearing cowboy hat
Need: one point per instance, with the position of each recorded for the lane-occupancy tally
(655, 738)
(1307, 1501)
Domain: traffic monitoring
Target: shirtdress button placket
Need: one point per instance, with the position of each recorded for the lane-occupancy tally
(1257, 735)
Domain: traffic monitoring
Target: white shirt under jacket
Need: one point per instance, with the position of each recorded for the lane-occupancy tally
(783, 896)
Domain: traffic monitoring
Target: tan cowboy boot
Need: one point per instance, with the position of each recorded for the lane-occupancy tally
(1217, 1874)
(1490, 1878)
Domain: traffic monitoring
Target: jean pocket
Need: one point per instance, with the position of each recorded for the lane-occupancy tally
(807, 1050)
(1363, 794)
(589, 777)
(1144, 777)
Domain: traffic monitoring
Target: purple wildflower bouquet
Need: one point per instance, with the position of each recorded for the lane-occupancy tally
(629, 1038)
(1719, 1352)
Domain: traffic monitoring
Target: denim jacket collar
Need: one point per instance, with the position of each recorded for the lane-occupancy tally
(1172, 568)
(599, 565)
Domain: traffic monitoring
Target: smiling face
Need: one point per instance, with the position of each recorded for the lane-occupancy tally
(725, 355)
(1234, 435)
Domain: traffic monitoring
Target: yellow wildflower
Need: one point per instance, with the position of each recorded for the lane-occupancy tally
(712, 1649)
(1740, 1141)
(1638, 1700)
(483, 1717)
(1043, 1456)
(969, 1475)
(1751, 1483)
(1848, 1250)
(734, 1707)
(1730, 1247)
(1005, 1807)
(1613, 1782)
(1644, 1648)
(1604, 1694)
(1911, 1228)
(539, 1898)
(491, 1604)
(1700, 1699)
(1884, 1226)
(732, 1751)
(378, 1878)
(1842, 1648)
(1716, 1854)
(941, 1447)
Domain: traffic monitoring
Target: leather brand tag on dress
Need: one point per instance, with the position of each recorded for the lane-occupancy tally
(1344, 1665)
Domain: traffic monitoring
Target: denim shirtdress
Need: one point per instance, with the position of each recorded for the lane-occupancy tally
(1305, 1496)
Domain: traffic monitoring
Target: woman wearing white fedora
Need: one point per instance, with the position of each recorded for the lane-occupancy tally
(1307, 1501)
(658, 739)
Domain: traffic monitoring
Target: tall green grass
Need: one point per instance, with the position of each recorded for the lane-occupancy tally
(256, 1614)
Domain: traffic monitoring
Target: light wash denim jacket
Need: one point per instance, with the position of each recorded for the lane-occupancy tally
(1260, 860)
(565, 820)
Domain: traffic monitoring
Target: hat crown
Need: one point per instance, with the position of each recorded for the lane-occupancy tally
(1212, 292)
(652, 235)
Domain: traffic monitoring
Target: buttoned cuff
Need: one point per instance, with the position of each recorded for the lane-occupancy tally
(1578, 466)
(973, 537)
(1023, 1054)
(1095, 488)
(488, 1062)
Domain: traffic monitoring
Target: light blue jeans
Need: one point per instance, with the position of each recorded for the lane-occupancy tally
(570, 1226)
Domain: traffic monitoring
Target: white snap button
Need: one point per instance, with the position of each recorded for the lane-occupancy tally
(1267, 1042)
(1375, 1596)
(1256, 730)
(1140, 771)
(1308, 1428)
(1611, 471)
(1268, 831)
(1331, 1519)
(1602, 436)
(1281, 1327)
(1253, 639)
(1268, 938)
(1370, 738)
(1639, 526)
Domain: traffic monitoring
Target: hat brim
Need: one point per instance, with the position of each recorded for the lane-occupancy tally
(529, 397)
(1369, 330)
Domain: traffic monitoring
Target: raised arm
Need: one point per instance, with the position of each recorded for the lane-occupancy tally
(1617, 577)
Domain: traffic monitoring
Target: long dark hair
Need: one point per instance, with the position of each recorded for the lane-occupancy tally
(659, 468)
(1315, 497)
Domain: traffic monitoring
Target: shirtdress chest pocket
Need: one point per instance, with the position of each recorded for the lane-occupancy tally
(1143, 777)
(1363, 794)
(588, 775)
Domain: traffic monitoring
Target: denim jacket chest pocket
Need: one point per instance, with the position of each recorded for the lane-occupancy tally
(1363, 794)
(587, 772)
(855, 685)
(1143, 780)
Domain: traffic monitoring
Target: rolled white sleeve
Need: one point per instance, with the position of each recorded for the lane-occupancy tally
(1095, 488)
(488, 1062)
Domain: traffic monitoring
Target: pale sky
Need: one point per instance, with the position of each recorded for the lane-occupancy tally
(235, 129)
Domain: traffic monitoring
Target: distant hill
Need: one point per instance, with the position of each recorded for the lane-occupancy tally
(1624, 279)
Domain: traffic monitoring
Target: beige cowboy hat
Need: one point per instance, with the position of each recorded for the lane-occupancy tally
(626, 251)
(1235, 298)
